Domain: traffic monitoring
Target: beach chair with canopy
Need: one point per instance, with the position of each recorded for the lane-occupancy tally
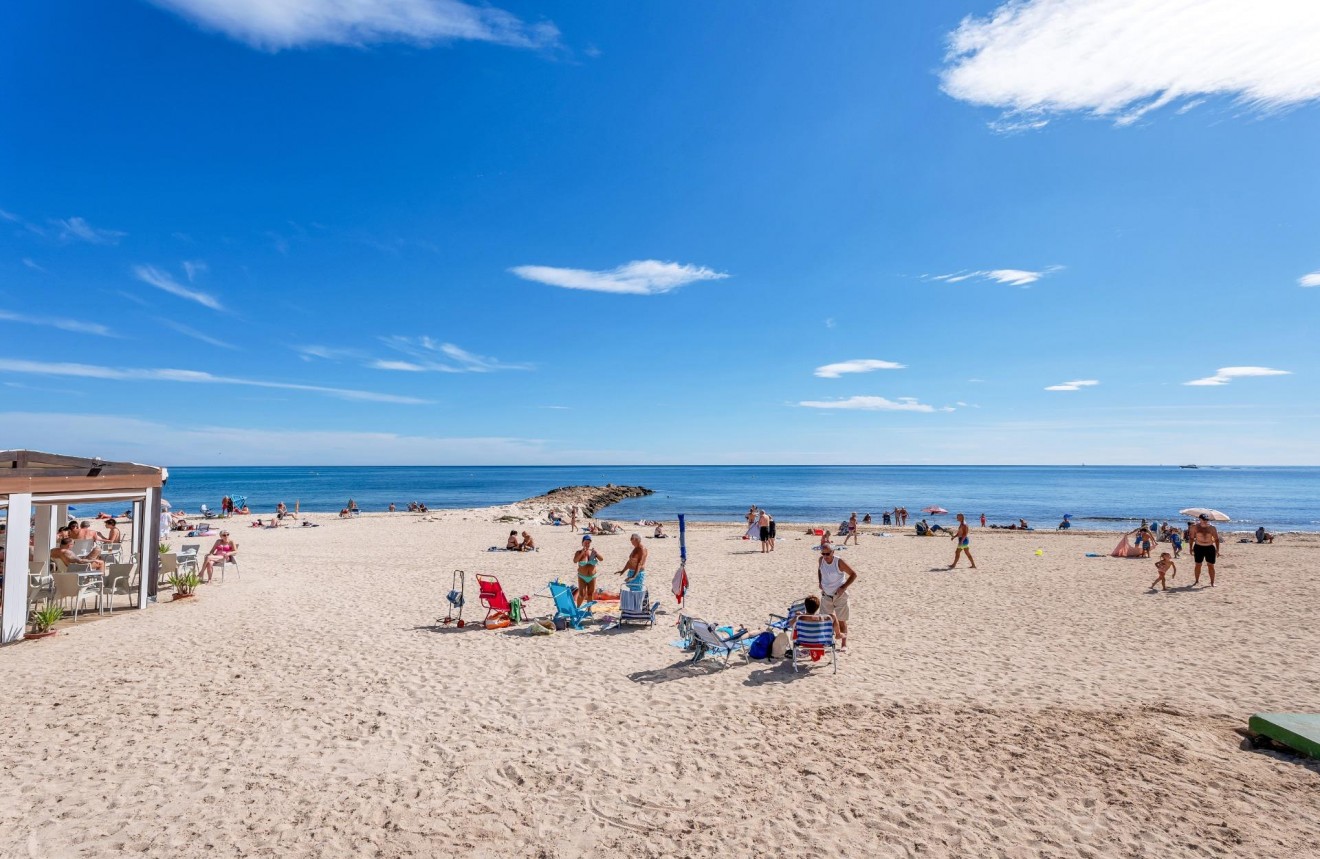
(566, 608)
(636, 607)
(707, 638)
(813, 639)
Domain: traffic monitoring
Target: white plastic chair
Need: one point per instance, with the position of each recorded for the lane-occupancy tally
(119, 580)
(75, 588)
(187, 557)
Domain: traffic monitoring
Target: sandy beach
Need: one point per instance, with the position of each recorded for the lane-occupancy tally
(1043, 705)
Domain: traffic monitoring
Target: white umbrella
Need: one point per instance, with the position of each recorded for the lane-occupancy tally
(165, 505)
(1212, 515)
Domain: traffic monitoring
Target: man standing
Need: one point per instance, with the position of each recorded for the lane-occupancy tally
(634, 570)
(852, 529)
(964, 543)
(1205, 547)
(763, 524)
(835, 577)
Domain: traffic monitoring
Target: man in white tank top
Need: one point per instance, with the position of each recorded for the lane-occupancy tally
(835, 578)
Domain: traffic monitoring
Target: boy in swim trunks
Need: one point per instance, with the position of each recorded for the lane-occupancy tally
(1162, 566)
(963, 535)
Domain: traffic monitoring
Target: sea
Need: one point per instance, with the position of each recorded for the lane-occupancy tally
(1097, 497)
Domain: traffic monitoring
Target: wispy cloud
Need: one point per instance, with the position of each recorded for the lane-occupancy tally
(69, 229)
(1312, 279)
(874, 404)
(187, 331)
(1224, 375)
(1123, 58)
(857, 365)
(193, 267)
(92, 371)
(1008, 276)
(640, 277)
(153, 276)
(1074, 386)
(276, 24)
(32, 264)
(64, 324)
(428, 355)
(329, 353)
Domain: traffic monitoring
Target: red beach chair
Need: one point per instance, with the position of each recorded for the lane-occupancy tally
(494, 601)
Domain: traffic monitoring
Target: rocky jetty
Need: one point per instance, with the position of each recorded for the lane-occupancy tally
(588, 499)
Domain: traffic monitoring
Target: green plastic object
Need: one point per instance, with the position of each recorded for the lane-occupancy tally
(1299, 731)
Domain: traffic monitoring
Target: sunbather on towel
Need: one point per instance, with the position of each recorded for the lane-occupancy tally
(512, 544)
(527, 545)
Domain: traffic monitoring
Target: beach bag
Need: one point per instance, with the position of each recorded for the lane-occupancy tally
(760, 648)
(779, 647)
(541, 626)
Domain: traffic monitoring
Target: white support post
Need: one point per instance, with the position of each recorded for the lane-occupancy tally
(150, 526)
(61, 515)
(43, 535)
(14, 617)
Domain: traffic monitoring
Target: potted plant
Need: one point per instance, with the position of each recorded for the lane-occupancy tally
(43, 620)
(163, 548)
(184, 584)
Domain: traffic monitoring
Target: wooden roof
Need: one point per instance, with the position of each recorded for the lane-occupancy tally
(35, 471)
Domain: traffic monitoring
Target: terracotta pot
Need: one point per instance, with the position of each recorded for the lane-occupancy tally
(35, 635)
(179, 596)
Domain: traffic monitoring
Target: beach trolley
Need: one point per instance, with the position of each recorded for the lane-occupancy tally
(455, 600)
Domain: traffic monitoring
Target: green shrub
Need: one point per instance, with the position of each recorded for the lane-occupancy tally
(46, 617)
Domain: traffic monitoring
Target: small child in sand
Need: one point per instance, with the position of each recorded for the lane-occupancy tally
(1147, 540)
(1162, 566)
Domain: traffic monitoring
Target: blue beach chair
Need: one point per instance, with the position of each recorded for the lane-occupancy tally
(814, 635)
(781, 623)
(566, 608)
(636, 607)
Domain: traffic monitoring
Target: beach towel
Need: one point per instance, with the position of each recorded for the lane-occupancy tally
(680, 585)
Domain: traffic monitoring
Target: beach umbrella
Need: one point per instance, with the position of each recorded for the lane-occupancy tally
(1067, 515)
(1197, 512)
(164, 504)
(933, 510)
(680, 575)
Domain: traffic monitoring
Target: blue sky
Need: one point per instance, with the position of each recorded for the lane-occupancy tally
(422, 231)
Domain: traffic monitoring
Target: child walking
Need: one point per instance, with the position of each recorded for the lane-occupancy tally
(1162, 566)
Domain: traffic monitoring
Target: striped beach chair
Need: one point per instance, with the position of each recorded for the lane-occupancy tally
(636, 607)
(709, 639)
(812, 638)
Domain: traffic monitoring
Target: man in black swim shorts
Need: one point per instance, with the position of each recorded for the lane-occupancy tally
(1205, 547)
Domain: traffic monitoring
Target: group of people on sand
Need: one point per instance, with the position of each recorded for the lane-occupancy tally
(1204, 539)
(761, 526)
(588, 560)
(526, 544)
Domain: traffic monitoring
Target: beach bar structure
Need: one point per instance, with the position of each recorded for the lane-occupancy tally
(40, 487)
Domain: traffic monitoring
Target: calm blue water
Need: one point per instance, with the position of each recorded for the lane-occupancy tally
(1098, 497)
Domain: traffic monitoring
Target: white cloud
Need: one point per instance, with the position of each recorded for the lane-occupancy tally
(1074, 386)
(1224, 375)
(1009, 276)
(857, 365)
(92, 371)
(78, 228)
(1123, 58)
(328, 353)
(193, 267)
(203, 442)
(186, 331)
(275, 24)
(32, 264)
(429, 355)
(149, 274)
(873, 404)
(1312, 279)
(640, 277)
(75, 325)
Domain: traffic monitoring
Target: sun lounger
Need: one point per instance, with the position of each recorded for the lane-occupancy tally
(565, 607)
(709, 639)
(812, 639)
(636, 607)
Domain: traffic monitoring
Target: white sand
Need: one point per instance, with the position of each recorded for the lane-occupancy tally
(1038, 707)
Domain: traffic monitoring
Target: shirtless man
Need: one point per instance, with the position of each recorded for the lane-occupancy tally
(634, 570)
(1205, 547)
(852, 529)
(65, 553)
(964, 543)
(763, 525)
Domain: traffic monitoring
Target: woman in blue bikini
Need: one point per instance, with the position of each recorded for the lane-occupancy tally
(586, 559)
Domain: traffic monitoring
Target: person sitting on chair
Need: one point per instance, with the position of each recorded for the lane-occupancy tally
(65, 553)
(224, 549)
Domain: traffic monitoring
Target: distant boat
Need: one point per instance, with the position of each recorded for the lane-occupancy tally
(1189, 466)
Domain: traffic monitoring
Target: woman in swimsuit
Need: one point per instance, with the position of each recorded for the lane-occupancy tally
(586, 559)
(223, 549)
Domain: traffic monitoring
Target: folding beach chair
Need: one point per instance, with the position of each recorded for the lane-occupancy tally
(493, 599)
(781, 622)
(710, 639)
(566, 608)
(636, 607)
(813, 639)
